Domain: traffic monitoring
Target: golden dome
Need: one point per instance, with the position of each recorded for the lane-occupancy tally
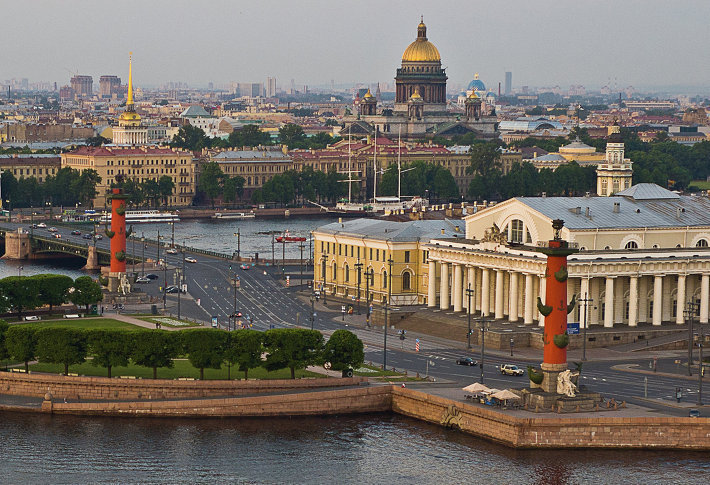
(421, 49)
(415, 96)
(368, 94)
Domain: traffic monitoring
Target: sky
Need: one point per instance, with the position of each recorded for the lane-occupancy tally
(644, 43)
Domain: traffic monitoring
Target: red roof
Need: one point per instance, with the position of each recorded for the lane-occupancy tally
(109, 151)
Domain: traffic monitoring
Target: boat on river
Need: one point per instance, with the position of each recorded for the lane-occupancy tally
(234, 215)
(286, 237)
(137, 217)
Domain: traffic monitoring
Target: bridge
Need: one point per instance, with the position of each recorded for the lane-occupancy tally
(21, 244)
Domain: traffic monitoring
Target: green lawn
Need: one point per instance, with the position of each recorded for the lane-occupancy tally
(700, 184)
(182, 368)
(375, 371)
(170, 322)
(84, 323)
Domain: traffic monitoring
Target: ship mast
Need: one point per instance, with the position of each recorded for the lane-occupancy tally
(399, 164)
(374, 163)
(350, 173)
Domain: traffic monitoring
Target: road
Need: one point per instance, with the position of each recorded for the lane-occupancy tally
(265, 301)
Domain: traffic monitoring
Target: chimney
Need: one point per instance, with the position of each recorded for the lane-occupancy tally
(587, 194)
(340, 220)
(443, 231)
(577, 210)
(617, 207)
(544, 195)
(457, 229)
(588, 213)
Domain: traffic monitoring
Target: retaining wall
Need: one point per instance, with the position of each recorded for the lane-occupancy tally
(103, 388)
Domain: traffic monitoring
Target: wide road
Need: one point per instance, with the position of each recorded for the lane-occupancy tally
(268, 303)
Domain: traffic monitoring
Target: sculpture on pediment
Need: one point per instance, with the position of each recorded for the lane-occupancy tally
(495, 235)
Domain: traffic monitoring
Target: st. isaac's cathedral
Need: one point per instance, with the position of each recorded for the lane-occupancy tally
(420, 109)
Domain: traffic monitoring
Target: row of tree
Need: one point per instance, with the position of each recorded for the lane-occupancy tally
(148, 191)
(291, 348)
(298, 187)
(21, 293)
(422, 179)
(193, 138)
(214, 183)
(66, 188)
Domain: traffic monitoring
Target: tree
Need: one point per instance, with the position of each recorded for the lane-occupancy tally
(320, 140)
(244, 349)
(86, 291)
(53, 288)
(233, 188)
(20, 293)
(293, 136)
(248, 136)
(84, 187)
(294, 348)
(165, 188)
(111, 347)
(191, 138)
(21, 343)
(485, 157)
(344, 351)
(62, 345)
(4, 353)
(204, 348)
(211, 181)
(97, 141)
(155, 348)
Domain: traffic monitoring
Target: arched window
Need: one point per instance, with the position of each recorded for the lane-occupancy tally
(702, 243)
(322, 269)
(631, 245)
(335, 271)
(516, 231)
(384, 279)
(347, 273)
(406, 281)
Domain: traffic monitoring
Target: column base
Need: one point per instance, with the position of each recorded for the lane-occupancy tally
(551, 371)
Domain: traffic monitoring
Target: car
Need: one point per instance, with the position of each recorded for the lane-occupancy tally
(466, 361)
(693, 413)
(152, 276)
(32, 318)
(190, 259)
(34, 226)
(238, 314)
(76, 232)
(57, 235)
(52, 229)
(86, 236)
(171, 251)
(245, 266)
(511, 370)
(172, 289)
(142, 280)
(98, 236)
(42, 225)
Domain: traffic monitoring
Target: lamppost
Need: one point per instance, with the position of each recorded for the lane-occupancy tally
(273, 256)
(172, 234)
(283, 255)
(469, 294)
(157, 260)
(483, 343)
(369, 274)
(238, 234)
(300, 263)
(133, 236)
(358, 265)
(313, 308)
(324, 259)
(142, 257)
(585, 301)
(388, 299)
(165, 284)
(691, 309)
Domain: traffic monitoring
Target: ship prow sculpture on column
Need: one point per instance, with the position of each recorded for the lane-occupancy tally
(552, 388)
(117, 280)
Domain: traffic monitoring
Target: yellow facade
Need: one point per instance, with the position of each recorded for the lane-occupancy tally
(138, 163)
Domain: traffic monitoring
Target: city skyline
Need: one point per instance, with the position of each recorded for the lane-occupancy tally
(313, 42)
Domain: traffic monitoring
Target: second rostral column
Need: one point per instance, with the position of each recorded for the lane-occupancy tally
(555, 308)
(117, 234)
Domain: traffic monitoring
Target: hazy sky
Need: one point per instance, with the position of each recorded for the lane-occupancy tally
(543, 42)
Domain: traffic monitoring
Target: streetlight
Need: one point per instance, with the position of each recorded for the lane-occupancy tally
(165, 284)
(142, 257)
(469, 294)
(388, 299)
(300, 263)
(313, 307)
(369, 279)
(691, 309)
(483, 342)
(238, 235)
(324, 259)
(700, 364)
(358, 265)
(585, 301)
(172, 234)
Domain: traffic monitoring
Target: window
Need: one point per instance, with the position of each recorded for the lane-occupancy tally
(340, 249)
(406, 256)
(377, 255)
(425, 256)
(406, 281)
(631, 245)
(702, 243)
(384, 279)
(335, 271)
(347, 273)
(322, 269)
(516, 231)
(370, 253)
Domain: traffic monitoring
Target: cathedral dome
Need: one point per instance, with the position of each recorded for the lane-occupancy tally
(421, 50)
(476, 84)
(129, 116)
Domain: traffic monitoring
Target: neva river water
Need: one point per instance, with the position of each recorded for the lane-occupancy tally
(372, 449)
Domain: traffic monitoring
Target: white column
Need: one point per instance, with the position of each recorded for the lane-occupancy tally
(444, 290)
(543, 290)
(667, 304)
(680, 300)
(469, 282)
(657, 299)
(431, 296)
(643, 299)
(704, 293)
(457, 289)
(479, 289)
(529, 299)
(500, 286)
(609, 302)
(485, 289)
(513, 298)
(633, 300)
(619, 300)
(583, 293)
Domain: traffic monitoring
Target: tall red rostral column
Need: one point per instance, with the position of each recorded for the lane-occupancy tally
(118, 231)
(555, 308)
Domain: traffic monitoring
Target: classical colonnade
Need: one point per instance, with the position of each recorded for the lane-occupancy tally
(621, 291)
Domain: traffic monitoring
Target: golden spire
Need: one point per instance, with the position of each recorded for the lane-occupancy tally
(129, 100)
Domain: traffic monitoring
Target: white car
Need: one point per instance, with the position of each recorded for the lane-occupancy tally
(42, 225)
(511, 370)
(171, 251)
(52, 229)
(190, 259)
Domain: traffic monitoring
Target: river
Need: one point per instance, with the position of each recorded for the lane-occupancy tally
(370, 449)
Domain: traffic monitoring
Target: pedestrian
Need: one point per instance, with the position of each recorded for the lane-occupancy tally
(102, 309)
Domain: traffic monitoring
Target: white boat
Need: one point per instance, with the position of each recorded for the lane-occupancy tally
(137, 217)
(233, 215)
